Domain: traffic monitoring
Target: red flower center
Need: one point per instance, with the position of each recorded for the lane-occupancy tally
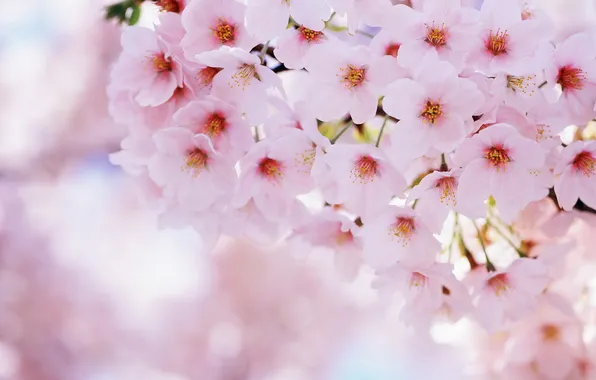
(447, 186)
(161, 63)
(417, 280)
(403, 229)
(310, 35)
(431, 112)
(365, 169)
(206, 75)
(499, 283)
(392, 49)
(215, 125)
(436, 35)
(571, 78)
(196, 160)
(224, 32)
(585, 163)
(270, 169)
(496, 43)
(550, 332)
(497, 156)
(353, 76)
(169, 5)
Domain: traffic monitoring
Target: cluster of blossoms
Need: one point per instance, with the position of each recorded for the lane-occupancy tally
(444, 146)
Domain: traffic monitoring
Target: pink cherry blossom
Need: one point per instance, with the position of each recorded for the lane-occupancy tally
(309, 13)
(506, 43)
(574, 70)
(294, 45)
(575, 175)
(347, 80)
(146, 67)
(211, 24)
(436, 196)
(432, 108)
(444, 27)
(499, 162)
(398, 235)
(229, 133)
(332, 230)
(190, 170)
(509, 295)
(425, 290)
(243, 81)
(365, 180)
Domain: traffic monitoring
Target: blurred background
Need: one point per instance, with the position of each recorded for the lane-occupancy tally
(91, 289)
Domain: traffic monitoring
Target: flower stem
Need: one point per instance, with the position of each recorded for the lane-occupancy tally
(489, 265)
(334, 139)
(381, 131)
(506, 238)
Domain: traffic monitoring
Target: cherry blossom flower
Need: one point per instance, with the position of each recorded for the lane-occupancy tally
(190, 170)
(574, 69)
(425, 290)
(509, 295)
(444, 27)
(146, 67)
(436, 197)
(431, 107)
(243, 81)
(576, 175)
(332, 230)
(347, 79)
(211, 24)
(506, 43)
(229, 133)
(398, 235)
(499, 162)
(308, 13)
(294, 44)
(365, 180)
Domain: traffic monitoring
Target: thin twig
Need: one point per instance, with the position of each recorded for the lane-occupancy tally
(381, 131)
(489, 265)
(334, 139)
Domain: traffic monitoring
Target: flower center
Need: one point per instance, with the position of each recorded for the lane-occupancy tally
(352, 76)
(310, 35)
(550, 332)
(244, 76)
(161, 63)
(417, 280)
(365, 169)
(224, 32)
(392, 49)
(344, 237)
(436, 35)
(497, 156)
(571, 78)
(206, 75)
(403, 229)
(527, 85)
(196, 160)
(585, 163)
(496, 43)
(431, 112)
(499, 283)
(168, 5)
(270, 169)
(446, 186)
(215, 125)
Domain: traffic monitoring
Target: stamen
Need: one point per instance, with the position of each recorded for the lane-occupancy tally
(436, 35)
(352, 76)
(403, 229)
(206, 75)
(550, 332)
(431, 112)
(270, 169)
(496, 43)
(215, 125)
(585, 163)
(168, 5)
(310, 35)
(196, 161)
(244, 76)
(497, 156)
(224, 31)
(499, 283)
(365, 169)
(161, 63)
(527, 85)
(447, 186)
(571, 78)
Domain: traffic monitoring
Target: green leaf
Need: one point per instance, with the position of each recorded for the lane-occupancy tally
(135, 15)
